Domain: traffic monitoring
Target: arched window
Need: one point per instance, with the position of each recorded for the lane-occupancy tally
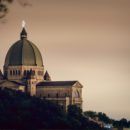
(76, 94)
(25, 72)
(10, 72)
(13, 72)
(16, 72)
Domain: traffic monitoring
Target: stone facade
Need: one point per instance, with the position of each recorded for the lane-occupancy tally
(62, 92)
(17, 73)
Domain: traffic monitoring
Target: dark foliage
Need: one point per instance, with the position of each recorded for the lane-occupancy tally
(21, 111)
(3, 7)
(123, 123)
(91, 114)
(78, 121)
(101, 116)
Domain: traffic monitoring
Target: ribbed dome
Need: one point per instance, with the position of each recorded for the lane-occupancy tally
(23, 52)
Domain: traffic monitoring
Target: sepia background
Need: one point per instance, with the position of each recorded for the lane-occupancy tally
(84, 40)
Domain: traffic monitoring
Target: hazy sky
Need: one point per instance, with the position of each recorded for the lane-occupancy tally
(84, 40)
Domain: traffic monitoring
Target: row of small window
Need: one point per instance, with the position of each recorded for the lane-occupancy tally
(15, 72)
(26, 72)
(57, 95)
(76, 95)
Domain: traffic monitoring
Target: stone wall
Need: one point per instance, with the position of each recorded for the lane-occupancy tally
(17, 72)
(74, 93)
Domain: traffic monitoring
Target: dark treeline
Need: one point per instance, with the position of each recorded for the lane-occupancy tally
(21, 111)
(103, 117)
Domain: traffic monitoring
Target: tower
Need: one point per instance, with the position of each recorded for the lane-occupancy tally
(47, 77)
(31, 83)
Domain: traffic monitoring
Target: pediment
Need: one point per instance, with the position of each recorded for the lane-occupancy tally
(78, 84)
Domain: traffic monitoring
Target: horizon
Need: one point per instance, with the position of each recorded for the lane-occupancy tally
(86, 41)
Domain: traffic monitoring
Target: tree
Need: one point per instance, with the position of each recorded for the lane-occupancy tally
(3, 7)
(129, 124)
(91, 114)
(78, 121)
(74, 111)
(103, 117)
(123, 123)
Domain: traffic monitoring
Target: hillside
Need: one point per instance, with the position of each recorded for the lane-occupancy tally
(21, 111)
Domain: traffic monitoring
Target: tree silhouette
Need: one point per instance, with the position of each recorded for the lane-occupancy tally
(4, 6)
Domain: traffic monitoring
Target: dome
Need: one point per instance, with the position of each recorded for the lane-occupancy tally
(23, 52)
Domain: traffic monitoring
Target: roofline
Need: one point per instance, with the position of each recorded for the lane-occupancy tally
(68, 85)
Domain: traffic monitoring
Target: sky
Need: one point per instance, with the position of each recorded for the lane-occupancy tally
(84, 40)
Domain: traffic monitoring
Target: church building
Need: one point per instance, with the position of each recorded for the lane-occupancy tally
(24, 70)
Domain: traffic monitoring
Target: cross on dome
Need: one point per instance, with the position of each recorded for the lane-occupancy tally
(23, 23)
